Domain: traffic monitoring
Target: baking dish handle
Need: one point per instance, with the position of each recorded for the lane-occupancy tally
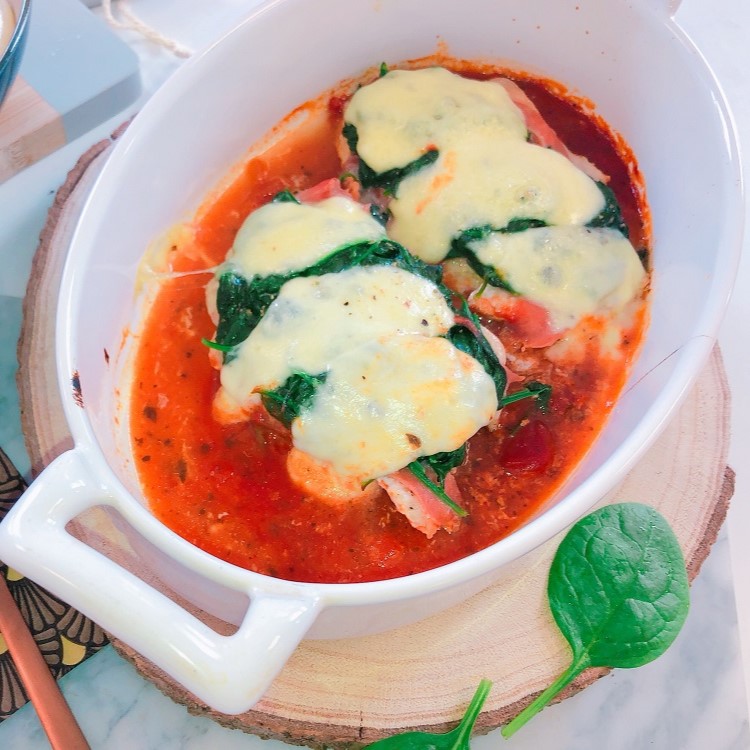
(230, 673)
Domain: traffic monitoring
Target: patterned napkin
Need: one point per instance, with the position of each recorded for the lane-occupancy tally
(64, 636)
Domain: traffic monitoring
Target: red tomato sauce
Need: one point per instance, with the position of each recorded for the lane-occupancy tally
(225, 488)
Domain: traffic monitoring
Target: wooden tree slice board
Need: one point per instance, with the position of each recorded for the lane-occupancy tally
(345, 693)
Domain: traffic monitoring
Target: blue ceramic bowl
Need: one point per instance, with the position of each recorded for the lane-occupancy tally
(11, 56)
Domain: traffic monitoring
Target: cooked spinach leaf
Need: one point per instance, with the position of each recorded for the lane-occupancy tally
(219, 347)
(534, 389)
(288, 400)
(643, 254)
(380, 253)
(469, 339)
(611, 215)
(456, 739)
(473, 343)
(241, 303)
(521, 225)
(416, 468)
(618, 591)
(467, 336)
(442, 463)
(391, 178)
(285, 196)
(383, 69)
(240, 308)
(461, 248)
(381, 215)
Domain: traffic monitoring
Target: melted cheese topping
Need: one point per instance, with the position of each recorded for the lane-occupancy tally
(286, 236)
(395, 389)
(486, 181)
(407, 112)
(315, 320)
(487, 174)
(390, 401)
(572, 271)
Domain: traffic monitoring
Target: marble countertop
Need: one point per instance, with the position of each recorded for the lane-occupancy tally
(694, 697)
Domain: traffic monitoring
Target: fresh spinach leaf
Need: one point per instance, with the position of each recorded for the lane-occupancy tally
(289, 399)
(618, 591)
(391, 178)
(456, 739)
(611, 215)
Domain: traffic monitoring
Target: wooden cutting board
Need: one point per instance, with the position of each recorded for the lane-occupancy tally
(75, 73)
(345, 693)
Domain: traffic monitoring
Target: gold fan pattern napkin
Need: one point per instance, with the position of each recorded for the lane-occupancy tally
(64, 636)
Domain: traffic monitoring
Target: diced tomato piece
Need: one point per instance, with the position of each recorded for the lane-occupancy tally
(530, 448)
(337, 104)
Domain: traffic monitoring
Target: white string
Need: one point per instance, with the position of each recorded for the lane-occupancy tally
(131, 21)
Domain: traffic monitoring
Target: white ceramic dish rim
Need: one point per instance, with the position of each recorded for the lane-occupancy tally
(541, 528)
(87, 460)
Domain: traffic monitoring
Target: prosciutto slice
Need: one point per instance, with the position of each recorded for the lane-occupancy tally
(529, 321)
(542, 134)
(330, 188)
(423, 510)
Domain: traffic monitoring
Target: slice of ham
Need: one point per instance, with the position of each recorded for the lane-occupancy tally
(423, 510)
(501, 354)
(542, 134)
(347, 187)
(319, 480)
(530, 321)
(330, 188)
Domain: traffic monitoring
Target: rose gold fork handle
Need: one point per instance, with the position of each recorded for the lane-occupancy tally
(54, 713)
